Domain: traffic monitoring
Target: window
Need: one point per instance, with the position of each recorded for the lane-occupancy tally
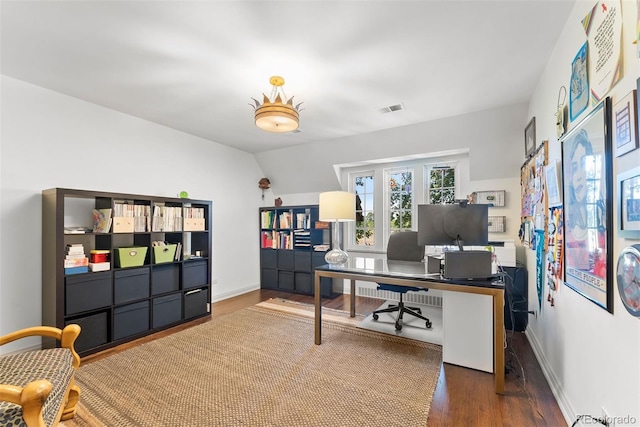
(365, 223)
(400, 200)
(388, 193)
(441, 185)
(595, 204)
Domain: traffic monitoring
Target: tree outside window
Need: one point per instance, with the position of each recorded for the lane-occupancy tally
(400, 201)
(442, 185)
(365, 224)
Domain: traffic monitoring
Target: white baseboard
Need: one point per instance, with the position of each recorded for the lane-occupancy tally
(34, 347)
(234, 293)
(556, 388)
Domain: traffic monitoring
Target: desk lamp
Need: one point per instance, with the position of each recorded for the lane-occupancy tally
(337, 206)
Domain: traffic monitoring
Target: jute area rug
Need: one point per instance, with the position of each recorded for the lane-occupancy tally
(260, 367)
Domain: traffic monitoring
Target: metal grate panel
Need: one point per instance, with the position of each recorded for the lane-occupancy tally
(411, 297)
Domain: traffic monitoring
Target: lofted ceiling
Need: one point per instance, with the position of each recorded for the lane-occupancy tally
(195, 65)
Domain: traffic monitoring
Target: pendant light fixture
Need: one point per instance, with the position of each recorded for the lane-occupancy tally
(274, 114)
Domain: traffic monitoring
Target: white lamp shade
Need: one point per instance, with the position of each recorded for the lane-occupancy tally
(337, 206)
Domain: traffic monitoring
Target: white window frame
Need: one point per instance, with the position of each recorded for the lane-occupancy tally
(378, 170)
(455, 165)
(387, 197)
(350, 231)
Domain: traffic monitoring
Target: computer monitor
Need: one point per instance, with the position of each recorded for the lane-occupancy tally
(456, 224)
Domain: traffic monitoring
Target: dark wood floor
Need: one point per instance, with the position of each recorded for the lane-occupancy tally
(463, 397)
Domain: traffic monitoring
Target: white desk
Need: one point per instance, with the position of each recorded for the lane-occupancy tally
(414, 274)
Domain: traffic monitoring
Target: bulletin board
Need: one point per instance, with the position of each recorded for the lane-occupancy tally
(534, 203)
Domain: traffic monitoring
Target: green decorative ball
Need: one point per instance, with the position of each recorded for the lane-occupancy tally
(183, 195)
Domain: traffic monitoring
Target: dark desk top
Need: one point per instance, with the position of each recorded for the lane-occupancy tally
(379, 266)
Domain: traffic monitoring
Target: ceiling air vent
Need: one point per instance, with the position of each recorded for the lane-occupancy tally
(391, 108)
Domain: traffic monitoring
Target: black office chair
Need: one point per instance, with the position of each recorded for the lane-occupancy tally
(402, 246)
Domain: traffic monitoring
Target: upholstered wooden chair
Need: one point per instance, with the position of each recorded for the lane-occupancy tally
(37, 388)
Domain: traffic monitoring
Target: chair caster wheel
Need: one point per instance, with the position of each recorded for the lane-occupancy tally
(429, 324)
(398, 327)
(375, 316)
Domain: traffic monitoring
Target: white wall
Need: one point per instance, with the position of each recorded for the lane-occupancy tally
(495, 139)
(591, 357)
(53, 140)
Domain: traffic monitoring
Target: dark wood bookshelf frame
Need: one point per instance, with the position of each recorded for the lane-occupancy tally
(292, 270)
(192, 289)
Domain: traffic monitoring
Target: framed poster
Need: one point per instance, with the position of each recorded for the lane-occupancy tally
(588, 207)
(629, 203)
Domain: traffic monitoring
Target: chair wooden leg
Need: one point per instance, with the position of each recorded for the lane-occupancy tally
(70, 408)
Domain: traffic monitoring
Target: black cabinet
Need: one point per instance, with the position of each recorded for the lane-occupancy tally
(154, 284)
(292, 243)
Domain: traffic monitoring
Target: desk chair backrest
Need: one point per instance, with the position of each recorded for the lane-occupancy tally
(403, 246)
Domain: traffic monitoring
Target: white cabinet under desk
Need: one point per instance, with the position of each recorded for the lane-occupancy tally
(467, 323)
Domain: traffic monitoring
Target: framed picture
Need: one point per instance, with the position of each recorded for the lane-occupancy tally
(628, 186)
(625, 124)
(530, 138)
(579, 86)
(587, 185)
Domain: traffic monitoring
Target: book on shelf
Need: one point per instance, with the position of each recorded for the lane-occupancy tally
(101, 220)
(178, 254)
(266, 219)
(99, 266)
(76, 262)
(75, 230)
(166, 218)
(191, 212)
(285, 241)
(267, 239)
(142, 220)
(123, 208)
(285, 220)
(75, 249)
(322, 224)
(321, 248)
(76, 270)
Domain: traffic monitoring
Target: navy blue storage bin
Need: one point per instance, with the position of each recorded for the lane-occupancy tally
(130, 285)
(93, 331)
(88, 291)
(195, 303)
(130, 319)
(167, 310)
(165, 278)
(194, 274)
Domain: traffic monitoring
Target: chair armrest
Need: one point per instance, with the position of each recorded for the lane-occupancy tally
(66, 336)
(30, 397)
